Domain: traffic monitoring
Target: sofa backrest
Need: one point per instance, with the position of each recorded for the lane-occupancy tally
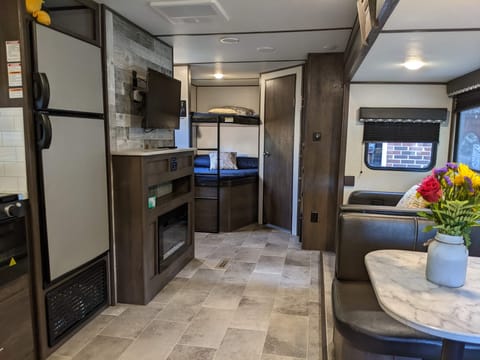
(368, 197)
(363, 229)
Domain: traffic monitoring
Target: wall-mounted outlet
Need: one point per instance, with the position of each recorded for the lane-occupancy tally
(314, 217)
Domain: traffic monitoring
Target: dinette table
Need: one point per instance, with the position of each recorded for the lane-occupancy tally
(403, 292)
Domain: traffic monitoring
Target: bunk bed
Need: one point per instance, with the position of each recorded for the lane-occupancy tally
(225, 199)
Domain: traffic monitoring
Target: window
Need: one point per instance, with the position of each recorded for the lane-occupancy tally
(467, 144)
(401, 139)
(401, 156)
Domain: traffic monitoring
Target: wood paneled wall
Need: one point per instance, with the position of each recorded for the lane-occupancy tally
(323, 113)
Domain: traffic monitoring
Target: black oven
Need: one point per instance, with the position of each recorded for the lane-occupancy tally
(13, 241)
(173, 235)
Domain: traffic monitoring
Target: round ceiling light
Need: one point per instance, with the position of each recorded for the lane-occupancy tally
(265, 49)
(413, 64)
(230, 40)
(218, 76)
(329, 47)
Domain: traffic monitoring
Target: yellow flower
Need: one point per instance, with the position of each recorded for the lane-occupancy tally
(476, 181)
(458, 180)
(464, 170)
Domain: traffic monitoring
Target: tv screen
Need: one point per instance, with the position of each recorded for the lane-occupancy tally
(162, 109)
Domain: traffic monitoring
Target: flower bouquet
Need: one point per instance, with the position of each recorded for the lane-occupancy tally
(453, 196)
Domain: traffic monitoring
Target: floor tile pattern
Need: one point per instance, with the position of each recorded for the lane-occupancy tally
(252, 294)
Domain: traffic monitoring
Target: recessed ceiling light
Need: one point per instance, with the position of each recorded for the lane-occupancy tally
(265, 49)
(413, 64)
(329, 47)
(229, 40)
(218, 76)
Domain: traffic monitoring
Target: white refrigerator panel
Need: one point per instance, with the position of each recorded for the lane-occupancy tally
(73, 68)
(75, 186)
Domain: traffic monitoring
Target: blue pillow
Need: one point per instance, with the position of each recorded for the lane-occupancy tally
(247, 162)
(202, 161)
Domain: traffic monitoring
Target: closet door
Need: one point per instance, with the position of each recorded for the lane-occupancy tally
(279, 124)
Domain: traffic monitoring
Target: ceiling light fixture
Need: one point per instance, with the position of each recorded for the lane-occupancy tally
(329, 47)
(413, 64)
(230, 40)
(265, 49)
(218, 76)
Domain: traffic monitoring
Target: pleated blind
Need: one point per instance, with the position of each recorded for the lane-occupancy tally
(402, 124)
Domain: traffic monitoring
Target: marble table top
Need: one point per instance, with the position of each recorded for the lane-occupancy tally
(403, 292)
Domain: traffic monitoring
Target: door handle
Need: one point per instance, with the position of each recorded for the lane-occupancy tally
(266, 154)
(41, 90)
(43, 130)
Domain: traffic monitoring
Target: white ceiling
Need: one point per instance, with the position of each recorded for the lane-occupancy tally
(435, 14)
(247, 15)
(256, 23)
(447, 54)
(236, 73)
(288, 46)
(279, 24)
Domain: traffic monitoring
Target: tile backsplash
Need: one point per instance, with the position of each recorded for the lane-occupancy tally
(13, 175)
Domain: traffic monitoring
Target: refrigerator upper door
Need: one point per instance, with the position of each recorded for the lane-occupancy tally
(73, 68)
(75, 192)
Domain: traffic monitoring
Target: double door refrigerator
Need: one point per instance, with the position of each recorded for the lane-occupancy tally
(71, 157)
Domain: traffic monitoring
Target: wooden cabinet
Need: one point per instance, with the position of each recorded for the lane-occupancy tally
(150, 189)
(16, 334)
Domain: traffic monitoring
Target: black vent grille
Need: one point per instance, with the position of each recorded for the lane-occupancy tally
(74, 301)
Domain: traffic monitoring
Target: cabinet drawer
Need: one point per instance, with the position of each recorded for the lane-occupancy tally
(166, 165)
(204, 192)
(16, 335)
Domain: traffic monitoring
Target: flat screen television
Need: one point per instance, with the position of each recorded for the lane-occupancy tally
(162, 108)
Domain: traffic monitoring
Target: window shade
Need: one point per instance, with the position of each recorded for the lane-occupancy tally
(402, 124)
(416, 115)
(401, 132)
(467, 100)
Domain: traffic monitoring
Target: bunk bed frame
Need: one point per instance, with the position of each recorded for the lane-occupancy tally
(223, 205)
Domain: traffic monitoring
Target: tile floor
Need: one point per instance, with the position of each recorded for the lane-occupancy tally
(248, 295)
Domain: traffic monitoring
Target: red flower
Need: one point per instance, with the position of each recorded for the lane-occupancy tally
(430, 189)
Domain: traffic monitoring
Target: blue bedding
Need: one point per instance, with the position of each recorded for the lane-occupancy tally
(225, 174)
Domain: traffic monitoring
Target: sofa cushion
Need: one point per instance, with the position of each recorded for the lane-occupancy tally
(410, 199)
(228, 160)
(244, 162)
(361, 233)
(202, 161)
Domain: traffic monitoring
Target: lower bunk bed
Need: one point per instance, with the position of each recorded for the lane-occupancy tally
(238, 195)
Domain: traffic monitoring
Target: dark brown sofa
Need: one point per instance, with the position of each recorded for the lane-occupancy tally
(362, 329)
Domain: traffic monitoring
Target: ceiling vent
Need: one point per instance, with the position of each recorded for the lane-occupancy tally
(190, 11)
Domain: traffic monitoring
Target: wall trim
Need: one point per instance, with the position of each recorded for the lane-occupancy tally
(406, 31)
(258, 32)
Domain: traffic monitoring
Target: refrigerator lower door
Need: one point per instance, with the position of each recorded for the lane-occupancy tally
(75, 193)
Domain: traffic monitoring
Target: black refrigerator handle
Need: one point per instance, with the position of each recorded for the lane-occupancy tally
(43, 130)
(41, 90)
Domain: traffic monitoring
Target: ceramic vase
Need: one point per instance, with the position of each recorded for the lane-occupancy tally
(447, 261)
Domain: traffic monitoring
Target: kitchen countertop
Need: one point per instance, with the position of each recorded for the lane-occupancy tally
(150, 152)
